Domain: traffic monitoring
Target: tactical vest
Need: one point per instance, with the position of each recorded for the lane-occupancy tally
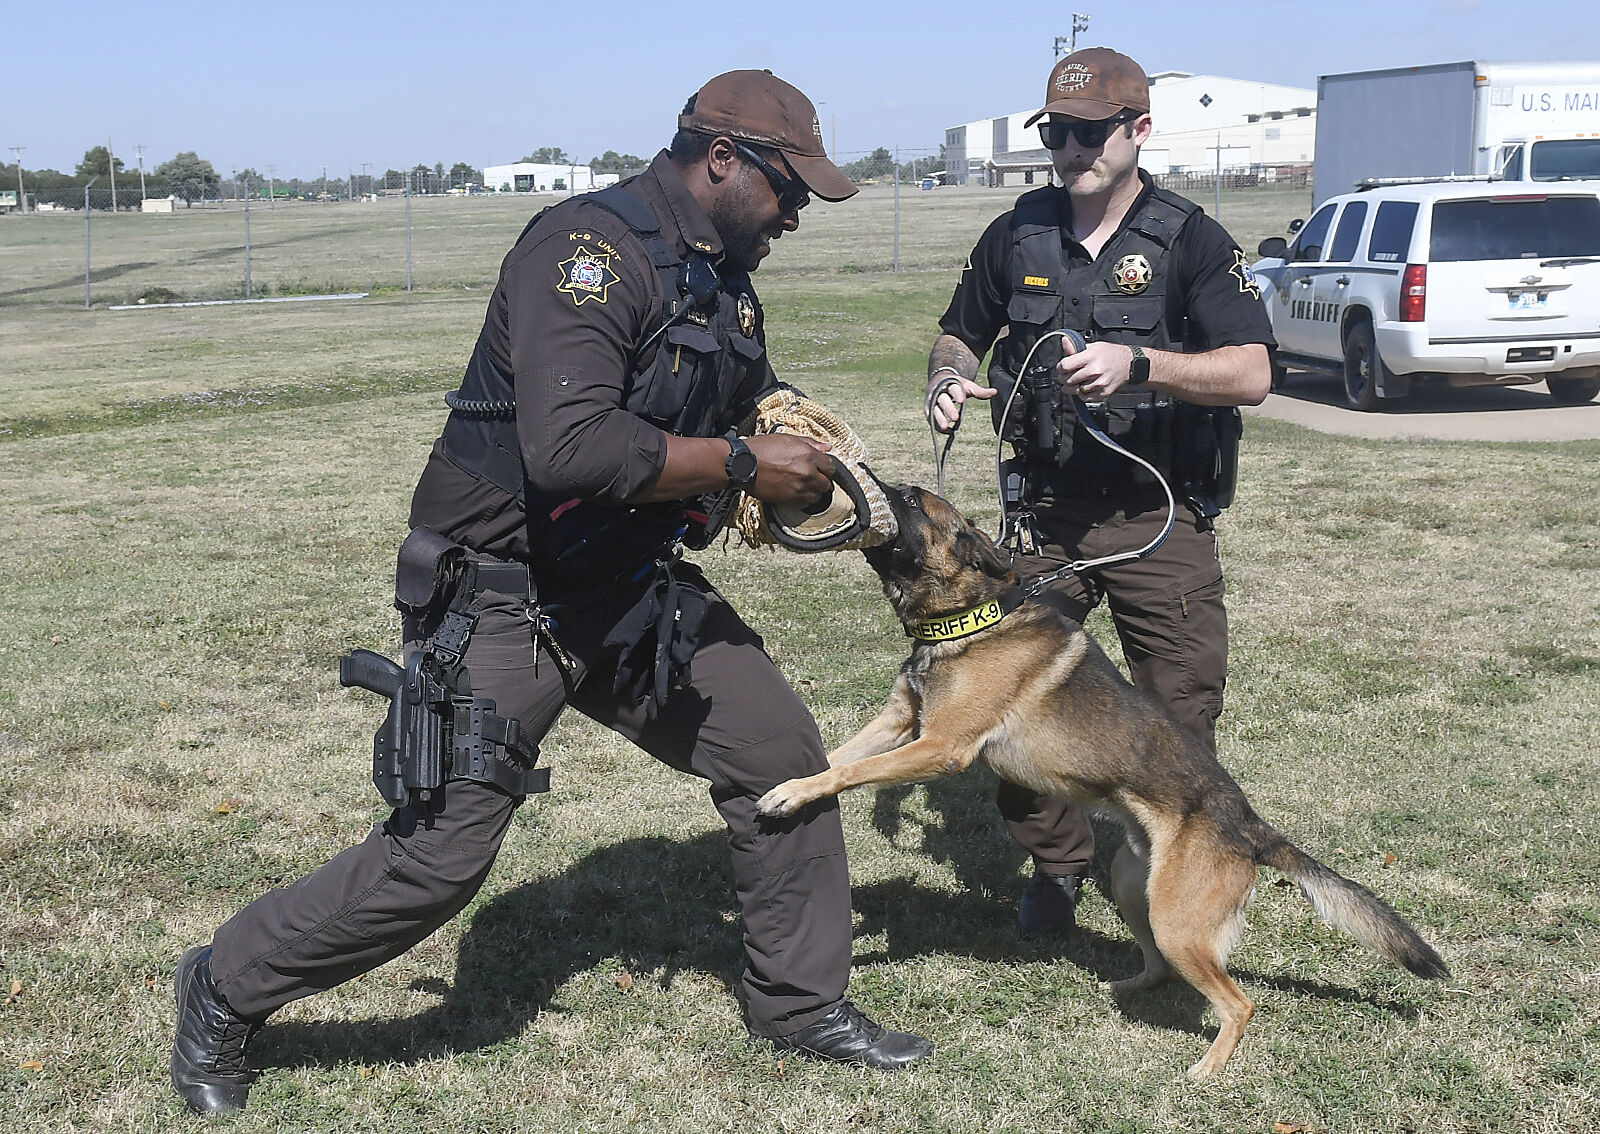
(1123, 296)
(707, 368)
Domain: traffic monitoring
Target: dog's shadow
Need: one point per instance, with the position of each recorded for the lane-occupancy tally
(966, 834)
(665, 906)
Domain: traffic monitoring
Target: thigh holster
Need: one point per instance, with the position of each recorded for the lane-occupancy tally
(436, 730)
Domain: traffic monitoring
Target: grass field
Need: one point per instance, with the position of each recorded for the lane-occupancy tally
(204, 507)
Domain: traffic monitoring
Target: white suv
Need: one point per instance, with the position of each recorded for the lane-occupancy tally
(1465, 282)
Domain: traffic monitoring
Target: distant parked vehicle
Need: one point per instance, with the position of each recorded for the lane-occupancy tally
(1511, 121)
(1464, 283)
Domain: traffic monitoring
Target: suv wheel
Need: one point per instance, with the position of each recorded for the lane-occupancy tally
(1362, 367)
(1572, 391)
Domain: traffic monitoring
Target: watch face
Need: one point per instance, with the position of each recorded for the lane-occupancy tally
(1140, 370)
(741, 466)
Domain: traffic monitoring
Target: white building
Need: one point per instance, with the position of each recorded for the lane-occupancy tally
(534, 177)
(1257, 126)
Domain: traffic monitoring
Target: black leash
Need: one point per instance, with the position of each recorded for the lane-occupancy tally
(1078, 343)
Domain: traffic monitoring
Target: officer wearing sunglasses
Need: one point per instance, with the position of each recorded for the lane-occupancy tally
(1177, 339)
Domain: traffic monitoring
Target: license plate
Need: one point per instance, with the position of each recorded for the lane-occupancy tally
(1526, 300)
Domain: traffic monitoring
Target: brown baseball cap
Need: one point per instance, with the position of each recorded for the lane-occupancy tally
(1094, 84)
(759, 107)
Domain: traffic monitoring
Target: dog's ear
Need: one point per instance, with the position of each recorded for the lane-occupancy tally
(975, 549)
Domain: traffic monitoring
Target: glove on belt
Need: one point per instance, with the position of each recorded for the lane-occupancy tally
(856, 515)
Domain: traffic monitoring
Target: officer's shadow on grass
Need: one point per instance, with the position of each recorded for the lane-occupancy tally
(666, 906)
(651, 905)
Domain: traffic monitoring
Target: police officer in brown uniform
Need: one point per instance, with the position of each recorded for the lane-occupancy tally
(623, 344)
(1176, 341)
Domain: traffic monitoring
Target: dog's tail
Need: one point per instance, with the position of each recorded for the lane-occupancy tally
(1352, 908)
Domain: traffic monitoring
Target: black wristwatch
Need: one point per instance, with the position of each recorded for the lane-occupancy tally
(1139, 371)
(741, 464)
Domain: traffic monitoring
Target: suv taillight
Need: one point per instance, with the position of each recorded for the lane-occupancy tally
(1414, 293)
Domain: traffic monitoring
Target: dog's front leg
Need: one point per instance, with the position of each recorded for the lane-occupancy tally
(889, 729)
(922, 759)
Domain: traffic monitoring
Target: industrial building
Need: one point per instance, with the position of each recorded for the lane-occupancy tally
(535, 177)
(1253, 127)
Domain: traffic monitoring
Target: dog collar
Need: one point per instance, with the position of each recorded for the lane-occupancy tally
(965, 623)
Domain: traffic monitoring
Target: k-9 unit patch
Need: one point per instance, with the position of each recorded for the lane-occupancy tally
(586, 275)
(1132, 274)
(747, 316)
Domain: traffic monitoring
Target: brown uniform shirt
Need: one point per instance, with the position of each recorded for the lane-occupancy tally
(576, 300)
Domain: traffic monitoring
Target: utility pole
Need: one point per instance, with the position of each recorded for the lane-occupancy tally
(22, 196)
(1080, 22)
(111, 166)
(272, 193)
(139, 149)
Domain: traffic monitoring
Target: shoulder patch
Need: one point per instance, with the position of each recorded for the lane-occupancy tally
(586, 275)
(1241, 272)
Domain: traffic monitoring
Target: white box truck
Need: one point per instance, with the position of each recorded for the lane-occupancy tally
(1516, 121)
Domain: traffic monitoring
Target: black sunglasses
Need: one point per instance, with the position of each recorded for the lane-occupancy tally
(1090, 135)
(791, 192)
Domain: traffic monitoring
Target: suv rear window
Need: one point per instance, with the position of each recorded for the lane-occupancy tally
(1512, 228)
(1391, 232)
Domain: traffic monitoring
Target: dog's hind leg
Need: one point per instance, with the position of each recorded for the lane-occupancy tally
(1130, 871)
(1198, 894)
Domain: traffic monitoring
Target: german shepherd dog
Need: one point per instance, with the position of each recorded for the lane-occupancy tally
(1030, 694)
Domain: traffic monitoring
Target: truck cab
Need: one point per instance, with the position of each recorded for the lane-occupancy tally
(1548, 159)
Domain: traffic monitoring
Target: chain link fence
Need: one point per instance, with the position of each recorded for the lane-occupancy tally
(239, 239)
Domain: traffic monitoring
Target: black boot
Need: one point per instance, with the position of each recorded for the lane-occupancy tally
(1049, 904)
(208, 1069)
(847, 1035)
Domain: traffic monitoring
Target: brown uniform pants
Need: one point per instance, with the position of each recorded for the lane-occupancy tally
(1168, 611)
(741, 728)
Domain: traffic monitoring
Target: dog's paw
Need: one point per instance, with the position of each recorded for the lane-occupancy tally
(785, 799)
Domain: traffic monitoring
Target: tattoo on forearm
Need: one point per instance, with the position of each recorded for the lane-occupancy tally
(952, 352)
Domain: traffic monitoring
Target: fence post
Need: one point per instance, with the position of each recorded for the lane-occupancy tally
(86, 242)
(897, 209)
(247, 238)
(1219, 176)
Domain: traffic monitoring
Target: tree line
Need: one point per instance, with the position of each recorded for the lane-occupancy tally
(190, 178)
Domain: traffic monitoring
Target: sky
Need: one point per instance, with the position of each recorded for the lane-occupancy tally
(293, 88)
